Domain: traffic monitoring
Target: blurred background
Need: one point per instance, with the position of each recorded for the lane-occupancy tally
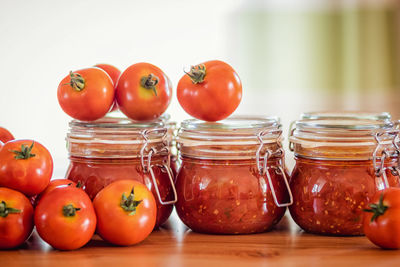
(293, 56)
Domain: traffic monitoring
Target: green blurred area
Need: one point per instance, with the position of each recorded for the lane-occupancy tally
(332, 49)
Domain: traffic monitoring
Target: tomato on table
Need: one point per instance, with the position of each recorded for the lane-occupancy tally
(26, 166)
(5, 135)
(86, 94)
(382, 219)
(143, 92)
(114, 74)
(126, 212)
(210, 91)
(65, 218)
(16, 218)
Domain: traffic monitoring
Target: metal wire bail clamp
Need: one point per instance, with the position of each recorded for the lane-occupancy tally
(165, 167)
(263, 168)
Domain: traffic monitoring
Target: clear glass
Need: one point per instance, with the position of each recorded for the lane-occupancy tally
(379, 116)
(219, 185)
(110, 149)
(334, 177)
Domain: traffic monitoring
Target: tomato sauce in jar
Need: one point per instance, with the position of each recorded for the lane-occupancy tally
(340, 164)
(111, 149)
(232, 178)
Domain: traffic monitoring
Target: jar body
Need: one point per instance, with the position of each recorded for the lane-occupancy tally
(228, 196)
(95, 174)
(329, 196)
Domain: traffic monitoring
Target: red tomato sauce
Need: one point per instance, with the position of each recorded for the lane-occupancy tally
(329, 196)
(228, 196)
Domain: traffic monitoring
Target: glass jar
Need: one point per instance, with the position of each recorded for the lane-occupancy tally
(340, 164)
(232, 178)
(111, 149)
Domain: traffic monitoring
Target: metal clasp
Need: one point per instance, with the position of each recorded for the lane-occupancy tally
(396, 169)
(263, 168)
(165, 167)
(379, 162)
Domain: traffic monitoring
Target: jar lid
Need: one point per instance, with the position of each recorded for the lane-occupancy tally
(237, 137)
(234, 123)
(382, 116)
(338, 138)
(114, 137)
(116, 123)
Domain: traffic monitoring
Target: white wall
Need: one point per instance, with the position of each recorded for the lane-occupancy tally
(41, 41)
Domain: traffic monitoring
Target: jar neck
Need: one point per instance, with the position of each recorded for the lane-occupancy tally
(238, 151)
(123, 161)
(228, 162)
(390, 162)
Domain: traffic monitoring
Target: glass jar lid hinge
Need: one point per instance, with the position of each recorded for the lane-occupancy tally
(379, 161)
(165, 166)
(263, 167)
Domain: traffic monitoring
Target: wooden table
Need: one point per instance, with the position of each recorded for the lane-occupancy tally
(175, 245)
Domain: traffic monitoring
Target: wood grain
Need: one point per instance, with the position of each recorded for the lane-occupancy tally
(175, 245)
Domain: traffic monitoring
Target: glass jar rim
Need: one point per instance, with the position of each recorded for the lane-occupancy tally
(343, 124)
(237, 137)
(233, 123)
(115, 137)
(117, 122)
(343, 139)
(379, 116)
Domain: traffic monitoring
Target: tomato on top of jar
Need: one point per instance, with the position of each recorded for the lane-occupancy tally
(340, 164)
(232, 178)
(113, 148)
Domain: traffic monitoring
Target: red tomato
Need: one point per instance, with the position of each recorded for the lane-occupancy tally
(5, 135)
(382, 219)
(16, 218)
(112, 71)
(86, 94)
(54, 184)
(126, 212)
(26, 166)
(211, 91)
(114, 74)
(65, 218)
(143, 92)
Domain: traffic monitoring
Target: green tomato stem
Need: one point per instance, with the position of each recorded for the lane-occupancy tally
(129, 203)
(4, 210)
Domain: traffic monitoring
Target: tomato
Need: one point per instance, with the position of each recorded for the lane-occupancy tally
(5, 135)
(112, 71)
(211, 91)
(143, 92)
(382, 219)
(114, 74)
(16, 218)
(86, 94)
(26, 166)
(65, 218)
(54, 184)
(126, 212)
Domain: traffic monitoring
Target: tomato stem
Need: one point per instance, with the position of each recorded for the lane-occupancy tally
(129, 203)
(150, 82)
(197, 73)
(69, 210)
(77, 81)
(377, 209)
(25, 152)
(4, 210)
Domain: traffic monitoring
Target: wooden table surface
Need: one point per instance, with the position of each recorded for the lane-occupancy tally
(175, 245)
